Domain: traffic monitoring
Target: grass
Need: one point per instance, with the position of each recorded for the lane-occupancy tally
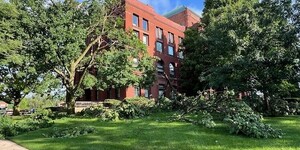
(157, 132)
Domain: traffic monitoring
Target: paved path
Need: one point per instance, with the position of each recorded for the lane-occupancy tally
(9, 145)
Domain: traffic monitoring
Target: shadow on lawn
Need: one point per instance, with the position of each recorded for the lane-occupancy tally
(158, 133)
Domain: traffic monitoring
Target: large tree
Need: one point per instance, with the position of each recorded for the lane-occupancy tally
(250, 46)
(19, 74)
(78, 40)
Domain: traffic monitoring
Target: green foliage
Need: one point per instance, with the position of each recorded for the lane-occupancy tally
(142, 103)
(246, 45)
(164, 104)
(70, 132)
(6, 127)
(243, 120)
(129, 110)
(278, 107)
(112, 103)
(110, 115)
(206, 120)
(88, 38)
(113, 109)
(93, 111)
(10, 127)
(239, 116)
(37, 102)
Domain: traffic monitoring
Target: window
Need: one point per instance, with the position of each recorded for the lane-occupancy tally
(145, 25)
(159, 46)
(161, 90)
(180, 39)
(135, 20)
(137, 91)
(171, 50)
(87, 94)
(172, 69)
(159, 33)
(146, 91)
(160, 67)
(171, 38)
(146, 39)
(136, 33)
(180, 55)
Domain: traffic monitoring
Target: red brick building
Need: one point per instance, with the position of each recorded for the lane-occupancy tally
(162, 35)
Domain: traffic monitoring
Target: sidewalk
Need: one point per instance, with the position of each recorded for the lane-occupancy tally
(9, 145)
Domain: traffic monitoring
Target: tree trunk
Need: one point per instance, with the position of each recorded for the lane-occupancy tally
(16, 111)
(70, 100)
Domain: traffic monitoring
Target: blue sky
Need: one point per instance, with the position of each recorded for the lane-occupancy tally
(163, 6)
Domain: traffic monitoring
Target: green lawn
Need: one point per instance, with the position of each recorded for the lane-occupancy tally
(156, 132)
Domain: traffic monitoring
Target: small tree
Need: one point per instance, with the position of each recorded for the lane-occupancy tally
(78, 40)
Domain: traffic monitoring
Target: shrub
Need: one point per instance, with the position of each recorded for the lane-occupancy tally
(116, 109)
(142, 102)
(93, 111)
(128, 110)
(70, 132)
(9, 127)
(242, 120)
(6, 127)
(109, 115)
(164, 104)
(112, 103)
(206, 120)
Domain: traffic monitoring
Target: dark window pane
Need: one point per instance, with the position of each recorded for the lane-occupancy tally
(145, 24)
(171, 50)
(160, 67)
(159, 46)
(135, 20)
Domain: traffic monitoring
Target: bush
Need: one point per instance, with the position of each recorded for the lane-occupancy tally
(70, 132)
(206, 120)
(142, 103)
(112, 103)
(116, 109)
(93, 111)
(242, 120)
(109, 115)
(164, 104)
(128, 110)
(6, 127)
(9, 127)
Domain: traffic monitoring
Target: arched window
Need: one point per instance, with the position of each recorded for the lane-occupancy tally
(160, 67)
(172, 69)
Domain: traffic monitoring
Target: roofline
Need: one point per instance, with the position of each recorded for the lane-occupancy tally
(169, 14)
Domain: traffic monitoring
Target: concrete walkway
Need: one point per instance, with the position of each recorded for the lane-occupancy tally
(9, 145)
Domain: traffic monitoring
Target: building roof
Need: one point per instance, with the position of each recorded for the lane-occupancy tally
(178, 10)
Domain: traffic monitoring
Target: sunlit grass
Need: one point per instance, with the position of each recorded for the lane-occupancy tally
(157, 132)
